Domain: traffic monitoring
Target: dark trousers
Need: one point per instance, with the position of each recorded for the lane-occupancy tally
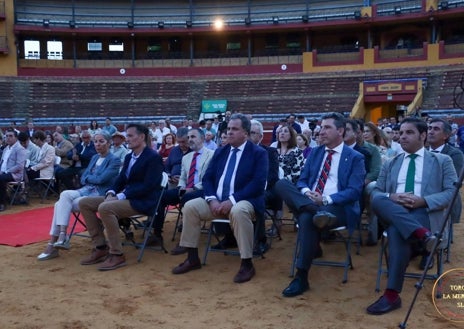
(4, 179)
(170, 198)
(67, 175)
(401, 224)
(305, 209)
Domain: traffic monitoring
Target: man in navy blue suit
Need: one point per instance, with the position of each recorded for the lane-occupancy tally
(323, 203)
(234, 185)
(135, 191)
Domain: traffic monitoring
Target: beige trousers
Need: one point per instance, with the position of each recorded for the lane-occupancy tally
(241, 215)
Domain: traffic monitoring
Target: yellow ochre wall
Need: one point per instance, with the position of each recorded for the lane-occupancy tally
(8, 65)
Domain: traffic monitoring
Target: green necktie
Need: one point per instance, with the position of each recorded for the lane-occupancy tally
(410, 174)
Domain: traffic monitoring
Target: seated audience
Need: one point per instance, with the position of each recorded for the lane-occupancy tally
(209, 140)
(415, 187)
(46, 162)
(32, 150)
(80, 156)
(169, 141)
(326, 195)
(173, 163)
(118, 148)
(11, 164)
(303, 144)
(291, 158)
(97, 178)
(190, 185)
(135, 191)
(234, 186)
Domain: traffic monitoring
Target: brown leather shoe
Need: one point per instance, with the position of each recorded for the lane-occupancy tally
(186, 266)
(97, 256)
(178, 250)
(112, 262)
(244, 274)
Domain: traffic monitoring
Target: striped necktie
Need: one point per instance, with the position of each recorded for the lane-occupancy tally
(191, 175)
(324, 172)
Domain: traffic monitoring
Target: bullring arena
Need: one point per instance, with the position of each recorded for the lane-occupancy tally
(65, 63)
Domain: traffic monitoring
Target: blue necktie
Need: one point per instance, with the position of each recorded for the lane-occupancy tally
(229, 173)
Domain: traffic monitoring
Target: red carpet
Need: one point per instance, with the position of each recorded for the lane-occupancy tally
(28, 227)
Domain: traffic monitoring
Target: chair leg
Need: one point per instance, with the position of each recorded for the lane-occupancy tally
(295, 255)
(208, 243)
(382, 253)
(77, 219)
(147, 233)
(176, 227)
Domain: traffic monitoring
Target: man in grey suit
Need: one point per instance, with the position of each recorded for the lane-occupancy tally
(437, 137)
(11, 164)
(410, 197)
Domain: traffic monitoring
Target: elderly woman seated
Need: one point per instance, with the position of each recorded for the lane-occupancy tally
(96, 180)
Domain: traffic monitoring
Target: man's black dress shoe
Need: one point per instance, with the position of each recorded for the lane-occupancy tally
(296, 287)
(226, 243)
(324, 219)
(423, 262)
(186, 266)
(382, 306)
(244, 274)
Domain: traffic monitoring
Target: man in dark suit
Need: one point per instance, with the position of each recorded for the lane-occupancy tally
(410, 196)
(135, 191)
(234, 186)
(80, 156)
(273, 201)
(327, 194)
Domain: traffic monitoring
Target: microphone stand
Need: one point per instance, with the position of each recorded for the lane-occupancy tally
(439, 236)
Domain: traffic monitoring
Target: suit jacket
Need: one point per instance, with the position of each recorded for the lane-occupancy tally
(85, 157)
(204, 161)
(62, 151)
(143, 186)
(104, 175)
(458, 161)
(438, 177)
(273, 173)
(375, 161)
(351, 174)
(46, 163)
(250, 178)
(16, 161)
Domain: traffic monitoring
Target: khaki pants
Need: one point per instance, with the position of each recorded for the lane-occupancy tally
(241, 215)
(109, 212)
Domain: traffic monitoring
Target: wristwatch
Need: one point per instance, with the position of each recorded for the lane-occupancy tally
(325, 202)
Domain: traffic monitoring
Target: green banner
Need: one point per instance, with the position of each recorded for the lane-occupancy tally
(213, 106)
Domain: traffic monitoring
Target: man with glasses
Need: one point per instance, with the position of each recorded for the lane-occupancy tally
(11, 164)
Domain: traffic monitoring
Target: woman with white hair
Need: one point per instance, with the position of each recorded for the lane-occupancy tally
(96, 180)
